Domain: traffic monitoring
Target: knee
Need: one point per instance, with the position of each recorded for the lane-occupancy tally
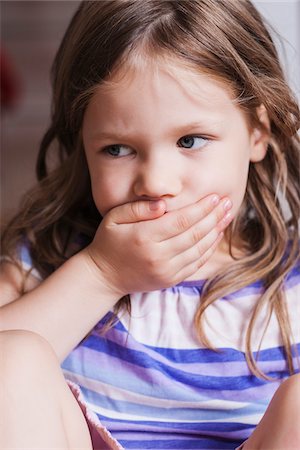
(293, 382)
(289, 392)
(279, 427)
(23, 352)
(22, 342)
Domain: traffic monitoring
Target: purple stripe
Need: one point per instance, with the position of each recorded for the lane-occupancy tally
(192, 283)
(292, 279)
(230, 429)
(230, 368)
(196, 291)
(137, 379)
(133, 436)
(165, 432)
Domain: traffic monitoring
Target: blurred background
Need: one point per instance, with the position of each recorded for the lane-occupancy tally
(30, 35)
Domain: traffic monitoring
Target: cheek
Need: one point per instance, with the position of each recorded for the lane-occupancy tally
(225, 177)
(233, 183)
(107, 191)
(109, 188)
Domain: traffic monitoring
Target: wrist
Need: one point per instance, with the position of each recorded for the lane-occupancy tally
(98, 281)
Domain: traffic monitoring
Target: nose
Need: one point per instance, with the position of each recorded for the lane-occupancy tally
(158, 177)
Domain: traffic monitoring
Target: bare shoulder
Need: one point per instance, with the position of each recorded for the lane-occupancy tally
(12, 282)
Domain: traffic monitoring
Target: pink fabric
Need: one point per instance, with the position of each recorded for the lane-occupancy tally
(101, 437)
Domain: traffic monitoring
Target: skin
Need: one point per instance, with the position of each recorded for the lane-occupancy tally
(155, 136)
(160, 226)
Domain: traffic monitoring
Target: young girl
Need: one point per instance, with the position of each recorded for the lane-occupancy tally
(155, 258)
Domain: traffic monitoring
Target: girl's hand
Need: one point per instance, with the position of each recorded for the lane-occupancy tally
(140, 247)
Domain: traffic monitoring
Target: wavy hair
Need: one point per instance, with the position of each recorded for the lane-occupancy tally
(228, 40)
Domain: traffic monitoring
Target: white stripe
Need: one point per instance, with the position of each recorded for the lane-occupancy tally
(116, 393)
(167, 316)
(251, 420)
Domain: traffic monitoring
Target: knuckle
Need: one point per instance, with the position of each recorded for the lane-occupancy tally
(182, 222)
(200, 250)
(139, 239)
(196, 235)
(214, 215)
(152, 263)
(135, 209)
(212, 238)
(212, 220)
(205, 256)
(158, 269)
(219, 215)
(207, 247)
(207, 209)
(190, 270)
(202, 261)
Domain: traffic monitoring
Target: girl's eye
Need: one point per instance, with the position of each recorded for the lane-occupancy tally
(117, 150)
(192, 142)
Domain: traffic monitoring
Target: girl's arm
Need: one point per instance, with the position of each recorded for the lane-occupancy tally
(137, 247)
(63, 308)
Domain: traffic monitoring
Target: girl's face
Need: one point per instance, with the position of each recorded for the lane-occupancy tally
(156, 135)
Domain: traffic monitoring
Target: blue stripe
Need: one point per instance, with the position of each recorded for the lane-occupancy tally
(154, 384)
(145, 383)
(220, 356)
(183, 444)
(141, 359)
(215, 427)
(201, 414)
(201, 355)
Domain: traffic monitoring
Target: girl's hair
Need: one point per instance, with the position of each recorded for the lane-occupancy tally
(228, 40)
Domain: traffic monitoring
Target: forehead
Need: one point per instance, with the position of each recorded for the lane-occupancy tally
(189, 78)
(158, 81)
(160, 94)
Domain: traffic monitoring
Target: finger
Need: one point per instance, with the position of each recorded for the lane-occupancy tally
(189, 263)
(178, 222)
(136, 211)
(202, 233)
(195, 252)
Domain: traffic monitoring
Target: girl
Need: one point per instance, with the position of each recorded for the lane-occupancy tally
(154, 256)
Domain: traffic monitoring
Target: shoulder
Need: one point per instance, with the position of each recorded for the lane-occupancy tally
(17, 276)
(12, 282)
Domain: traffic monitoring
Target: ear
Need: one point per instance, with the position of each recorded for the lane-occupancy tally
(260, 135)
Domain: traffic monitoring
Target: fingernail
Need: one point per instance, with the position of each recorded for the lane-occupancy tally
(227, 205)
(215, 200)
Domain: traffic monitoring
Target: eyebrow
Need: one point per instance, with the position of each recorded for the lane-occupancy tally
(180, 130)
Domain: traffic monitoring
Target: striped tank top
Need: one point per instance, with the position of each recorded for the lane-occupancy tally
(152, 384)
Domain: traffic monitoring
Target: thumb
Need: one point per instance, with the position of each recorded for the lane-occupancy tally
(137, 211)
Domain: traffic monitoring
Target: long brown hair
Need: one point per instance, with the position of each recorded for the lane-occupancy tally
(228, 40)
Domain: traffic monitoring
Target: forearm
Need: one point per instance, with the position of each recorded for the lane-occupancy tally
(64, 307)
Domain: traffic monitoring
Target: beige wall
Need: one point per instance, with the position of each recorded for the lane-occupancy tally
(30, 34)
